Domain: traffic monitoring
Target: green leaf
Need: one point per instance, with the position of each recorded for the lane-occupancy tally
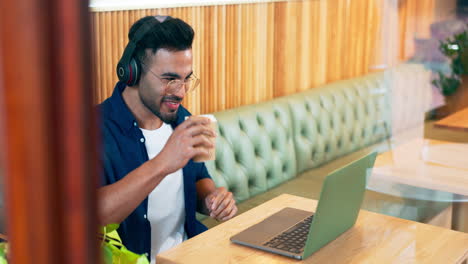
(450, 85)
(128, 257)
(142, 260)
(107, 254)
(3, 249)
(109, 228)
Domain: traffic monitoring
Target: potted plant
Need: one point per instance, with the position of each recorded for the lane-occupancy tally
(454, 86)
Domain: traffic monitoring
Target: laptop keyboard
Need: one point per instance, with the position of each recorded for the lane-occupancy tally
(292, 240)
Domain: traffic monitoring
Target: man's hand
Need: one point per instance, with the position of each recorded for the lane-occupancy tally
(180, 146)
(221, 204)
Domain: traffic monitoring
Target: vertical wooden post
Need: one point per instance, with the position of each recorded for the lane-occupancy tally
(48, 138)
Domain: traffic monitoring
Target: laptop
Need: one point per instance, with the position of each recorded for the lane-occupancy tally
(296, 233)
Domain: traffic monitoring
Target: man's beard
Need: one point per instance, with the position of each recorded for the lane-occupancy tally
(167, 118)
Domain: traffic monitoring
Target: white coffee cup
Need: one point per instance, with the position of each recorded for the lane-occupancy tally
(211, 151)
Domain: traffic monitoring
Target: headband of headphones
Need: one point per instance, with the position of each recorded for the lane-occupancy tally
(128, 69)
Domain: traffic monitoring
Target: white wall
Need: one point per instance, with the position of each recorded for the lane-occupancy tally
(111, 5)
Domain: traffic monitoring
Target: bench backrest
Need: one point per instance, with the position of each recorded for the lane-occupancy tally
(265, 144)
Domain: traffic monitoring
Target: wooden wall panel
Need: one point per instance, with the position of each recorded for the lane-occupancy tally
(250, 53)
(336, 12)
(387, 44)
(415, 18)
(315, 73)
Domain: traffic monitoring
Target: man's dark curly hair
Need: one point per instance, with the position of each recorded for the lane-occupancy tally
(171, 33)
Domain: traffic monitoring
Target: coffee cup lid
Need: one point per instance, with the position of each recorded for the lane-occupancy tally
(211, 117)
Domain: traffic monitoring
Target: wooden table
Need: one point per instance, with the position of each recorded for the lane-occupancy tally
(375, 238)
(456, 121)
(411, 164)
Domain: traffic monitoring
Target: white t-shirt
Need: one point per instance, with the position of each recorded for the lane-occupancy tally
(166, 203)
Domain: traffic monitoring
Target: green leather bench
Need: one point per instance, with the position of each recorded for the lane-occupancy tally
(290, 144)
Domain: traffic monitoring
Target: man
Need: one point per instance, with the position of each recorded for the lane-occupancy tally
(152, 187)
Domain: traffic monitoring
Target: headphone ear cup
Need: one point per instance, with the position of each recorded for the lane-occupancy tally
(129, 73)
(123, 72)
(135, 72)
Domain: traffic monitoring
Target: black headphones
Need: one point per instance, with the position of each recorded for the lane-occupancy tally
(129, 68)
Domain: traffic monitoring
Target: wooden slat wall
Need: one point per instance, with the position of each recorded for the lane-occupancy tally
(250, 53)
(415, 18)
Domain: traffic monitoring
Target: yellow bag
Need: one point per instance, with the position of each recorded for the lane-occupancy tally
(114, 252)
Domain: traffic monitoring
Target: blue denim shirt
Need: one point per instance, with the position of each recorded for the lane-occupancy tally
(123, 151)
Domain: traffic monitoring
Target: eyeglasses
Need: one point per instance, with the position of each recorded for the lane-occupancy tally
(172, 86)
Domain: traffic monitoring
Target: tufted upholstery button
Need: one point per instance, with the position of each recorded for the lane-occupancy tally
(236, 157)
(250, 182)
(259, 121)
(334, 100)
(339, 143)
(221, 131)
(268, 175)
(273, 145)
(241, 126)
(327, 148)
(307, 107)
(276, 113)
(284, 168)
